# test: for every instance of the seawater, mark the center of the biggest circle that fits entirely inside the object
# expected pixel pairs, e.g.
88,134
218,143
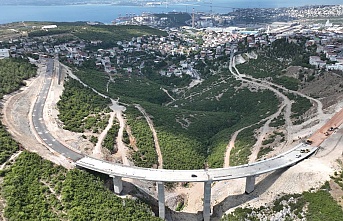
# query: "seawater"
107,13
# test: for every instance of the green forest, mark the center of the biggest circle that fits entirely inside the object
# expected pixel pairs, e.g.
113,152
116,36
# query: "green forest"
82,109
110,139
36,189
192,131
12,73
146,155
7,145
109,35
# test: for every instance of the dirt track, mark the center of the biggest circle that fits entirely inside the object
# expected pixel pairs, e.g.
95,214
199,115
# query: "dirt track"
322,134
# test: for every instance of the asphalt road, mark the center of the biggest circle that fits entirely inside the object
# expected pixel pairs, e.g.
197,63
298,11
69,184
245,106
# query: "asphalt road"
38,122
287,159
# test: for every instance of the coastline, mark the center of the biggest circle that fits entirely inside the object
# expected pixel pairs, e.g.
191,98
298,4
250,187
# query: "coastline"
106,13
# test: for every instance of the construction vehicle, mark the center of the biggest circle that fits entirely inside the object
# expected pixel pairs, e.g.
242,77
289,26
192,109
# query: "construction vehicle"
304,150
309,141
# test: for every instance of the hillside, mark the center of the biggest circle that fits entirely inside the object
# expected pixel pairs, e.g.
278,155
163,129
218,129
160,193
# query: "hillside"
226,111
36,189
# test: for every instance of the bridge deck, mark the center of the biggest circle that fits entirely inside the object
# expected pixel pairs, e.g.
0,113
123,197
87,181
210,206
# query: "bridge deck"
286,159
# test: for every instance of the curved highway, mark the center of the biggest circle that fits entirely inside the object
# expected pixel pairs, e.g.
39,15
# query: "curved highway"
286,159
289,158
38,122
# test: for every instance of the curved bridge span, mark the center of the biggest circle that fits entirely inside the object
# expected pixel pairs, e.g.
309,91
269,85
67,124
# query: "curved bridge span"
286,159
250,171
118,171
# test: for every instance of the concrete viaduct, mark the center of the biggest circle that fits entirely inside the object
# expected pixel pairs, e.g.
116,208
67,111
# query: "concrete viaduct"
119,171
249,171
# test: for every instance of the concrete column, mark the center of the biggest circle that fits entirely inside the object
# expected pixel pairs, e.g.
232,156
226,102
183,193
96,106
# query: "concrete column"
250,184
161,200
207,201
117,184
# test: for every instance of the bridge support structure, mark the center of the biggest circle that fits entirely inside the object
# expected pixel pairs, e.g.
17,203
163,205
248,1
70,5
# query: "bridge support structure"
250,184
117,184
207,201
161,200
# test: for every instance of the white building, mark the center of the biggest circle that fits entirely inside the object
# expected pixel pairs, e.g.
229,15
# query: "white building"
316,61
49,27
4,53
336,66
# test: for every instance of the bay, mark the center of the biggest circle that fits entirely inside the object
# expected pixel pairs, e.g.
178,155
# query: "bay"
107,13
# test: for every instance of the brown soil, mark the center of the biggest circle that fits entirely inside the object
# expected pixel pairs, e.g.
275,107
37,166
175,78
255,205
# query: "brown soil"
326,87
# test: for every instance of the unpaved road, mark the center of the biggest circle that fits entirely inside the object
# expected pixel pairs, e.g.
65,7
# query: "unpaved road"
154,134
97,151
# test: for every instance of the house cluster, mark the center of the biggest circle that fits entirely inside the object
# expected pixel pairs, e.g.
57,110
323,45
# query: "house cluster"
186,44
315,11
331,56
19,47
185,67
131,56
44,46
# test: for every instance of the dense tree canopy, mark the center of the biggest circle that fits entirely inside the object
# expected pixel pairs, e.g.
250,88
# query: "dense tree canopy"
12,73
36,189
7,145
81,108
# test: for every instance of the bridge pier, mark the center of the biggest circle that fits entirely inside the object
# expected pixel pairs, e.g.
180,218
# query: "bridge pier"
161,200
250,184
117,184
207,201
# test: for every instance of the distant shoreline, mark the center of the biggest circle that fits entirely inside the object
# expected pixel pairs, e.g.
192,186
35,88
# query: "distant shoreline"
143,4
76,4
106,13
